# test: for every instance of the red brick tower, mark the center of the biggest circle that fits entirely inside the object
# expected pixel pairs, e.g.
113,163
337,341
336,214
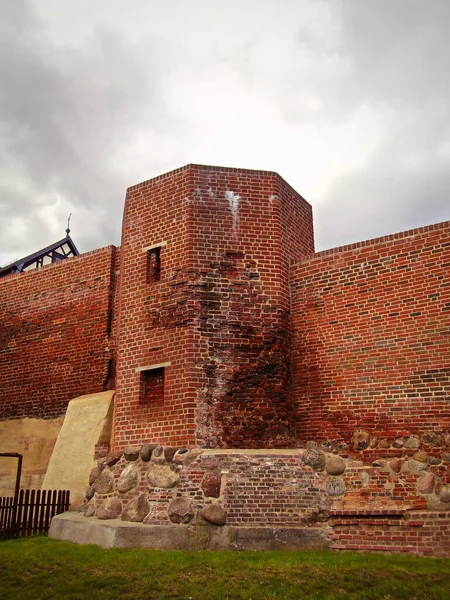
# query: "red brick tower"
204,309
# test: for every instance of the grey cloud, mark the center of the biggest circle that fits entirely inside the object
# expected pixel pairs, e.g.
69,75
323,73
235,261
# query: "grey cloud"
65,113
82,118
405,184
400,54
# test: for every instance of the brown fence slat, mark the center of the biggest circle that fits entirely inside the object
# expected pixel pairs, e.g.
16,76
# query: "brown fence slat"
37,508
22,522
9,519
18,517
31,507
42,511
31,512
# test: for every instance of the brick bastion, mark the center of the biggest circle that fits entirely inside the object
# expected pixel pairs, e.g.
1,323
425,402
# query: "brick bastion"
265,395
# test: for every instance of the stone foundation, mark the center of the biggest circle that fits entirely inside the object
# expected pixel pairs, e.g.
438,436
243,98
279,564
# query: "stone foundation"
72,527
299,498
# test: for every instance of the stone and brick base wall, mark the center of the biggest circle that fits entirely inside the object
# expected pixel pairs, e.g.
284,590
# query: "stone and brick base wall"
374,507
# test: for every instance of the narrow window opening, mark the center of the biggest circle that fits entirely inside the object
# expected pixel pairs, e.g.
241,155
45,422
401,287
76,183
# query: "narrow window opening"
152,386
153,265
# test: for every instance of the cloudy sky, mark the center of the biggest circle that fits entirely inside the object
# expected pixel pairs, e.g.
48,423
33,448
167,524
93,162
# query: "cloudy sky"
347,99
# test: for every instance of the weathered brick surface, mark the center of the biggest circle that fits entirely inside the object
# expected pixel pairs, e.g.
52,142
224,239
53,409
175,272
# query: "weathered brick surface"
264,345
416,532
371,326
257,490
219,313
54,332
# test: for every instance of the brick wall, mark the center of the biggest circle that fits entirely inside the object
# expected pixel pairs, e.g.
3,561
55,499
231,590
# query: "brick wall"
425,533
218,317
54,329
371,326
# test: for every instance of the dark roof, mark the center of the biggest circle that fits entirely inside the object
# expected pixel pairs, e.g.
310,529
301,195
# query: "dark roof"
55,252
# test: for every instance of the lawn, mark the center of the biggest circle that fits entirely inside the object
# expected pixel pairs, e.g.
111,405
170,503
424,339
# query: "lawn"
35,568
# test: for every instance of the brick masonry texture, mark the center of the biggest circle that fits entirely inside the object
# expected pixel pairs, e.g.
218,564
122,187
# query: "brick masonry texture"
221,330
421,533
54,326
219,315
371,327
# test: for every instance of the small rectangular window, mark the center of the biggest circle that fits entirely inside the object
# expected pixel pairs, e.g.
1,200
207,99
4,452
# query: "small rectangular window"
153,265
152,386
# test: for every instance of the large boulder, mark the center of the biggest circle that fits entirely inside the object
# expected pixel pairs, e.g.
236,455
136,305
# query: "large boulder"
136,510
314,458
146,451
128,479
104,484
162,476
110,509
335,465
426,483
211,484
180,510
214,513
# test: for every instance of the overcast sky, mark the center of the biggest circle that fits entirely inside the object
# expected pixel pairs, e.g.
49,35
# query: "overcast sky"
347,99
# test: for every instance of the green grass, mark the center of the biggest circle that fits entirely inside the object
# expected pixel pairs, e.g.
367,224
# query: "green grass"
35,568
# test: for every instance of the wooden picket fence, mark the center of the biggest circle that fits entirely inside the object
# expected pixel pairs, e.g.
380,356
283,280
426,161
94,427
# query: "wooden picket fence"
32,512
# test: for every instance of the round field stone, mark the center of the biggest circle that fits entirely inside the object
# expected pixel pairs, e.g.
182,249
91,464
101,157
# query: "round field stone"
128,479
361,440
136,510
335,465
412,443
112,459
131,454
211,485
169,453
335,486
426,484
104,484
314,458
444,494
111,509
214,513
421,456
433,439
162,476
95,472
395,465
146,451
180,510
90,509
